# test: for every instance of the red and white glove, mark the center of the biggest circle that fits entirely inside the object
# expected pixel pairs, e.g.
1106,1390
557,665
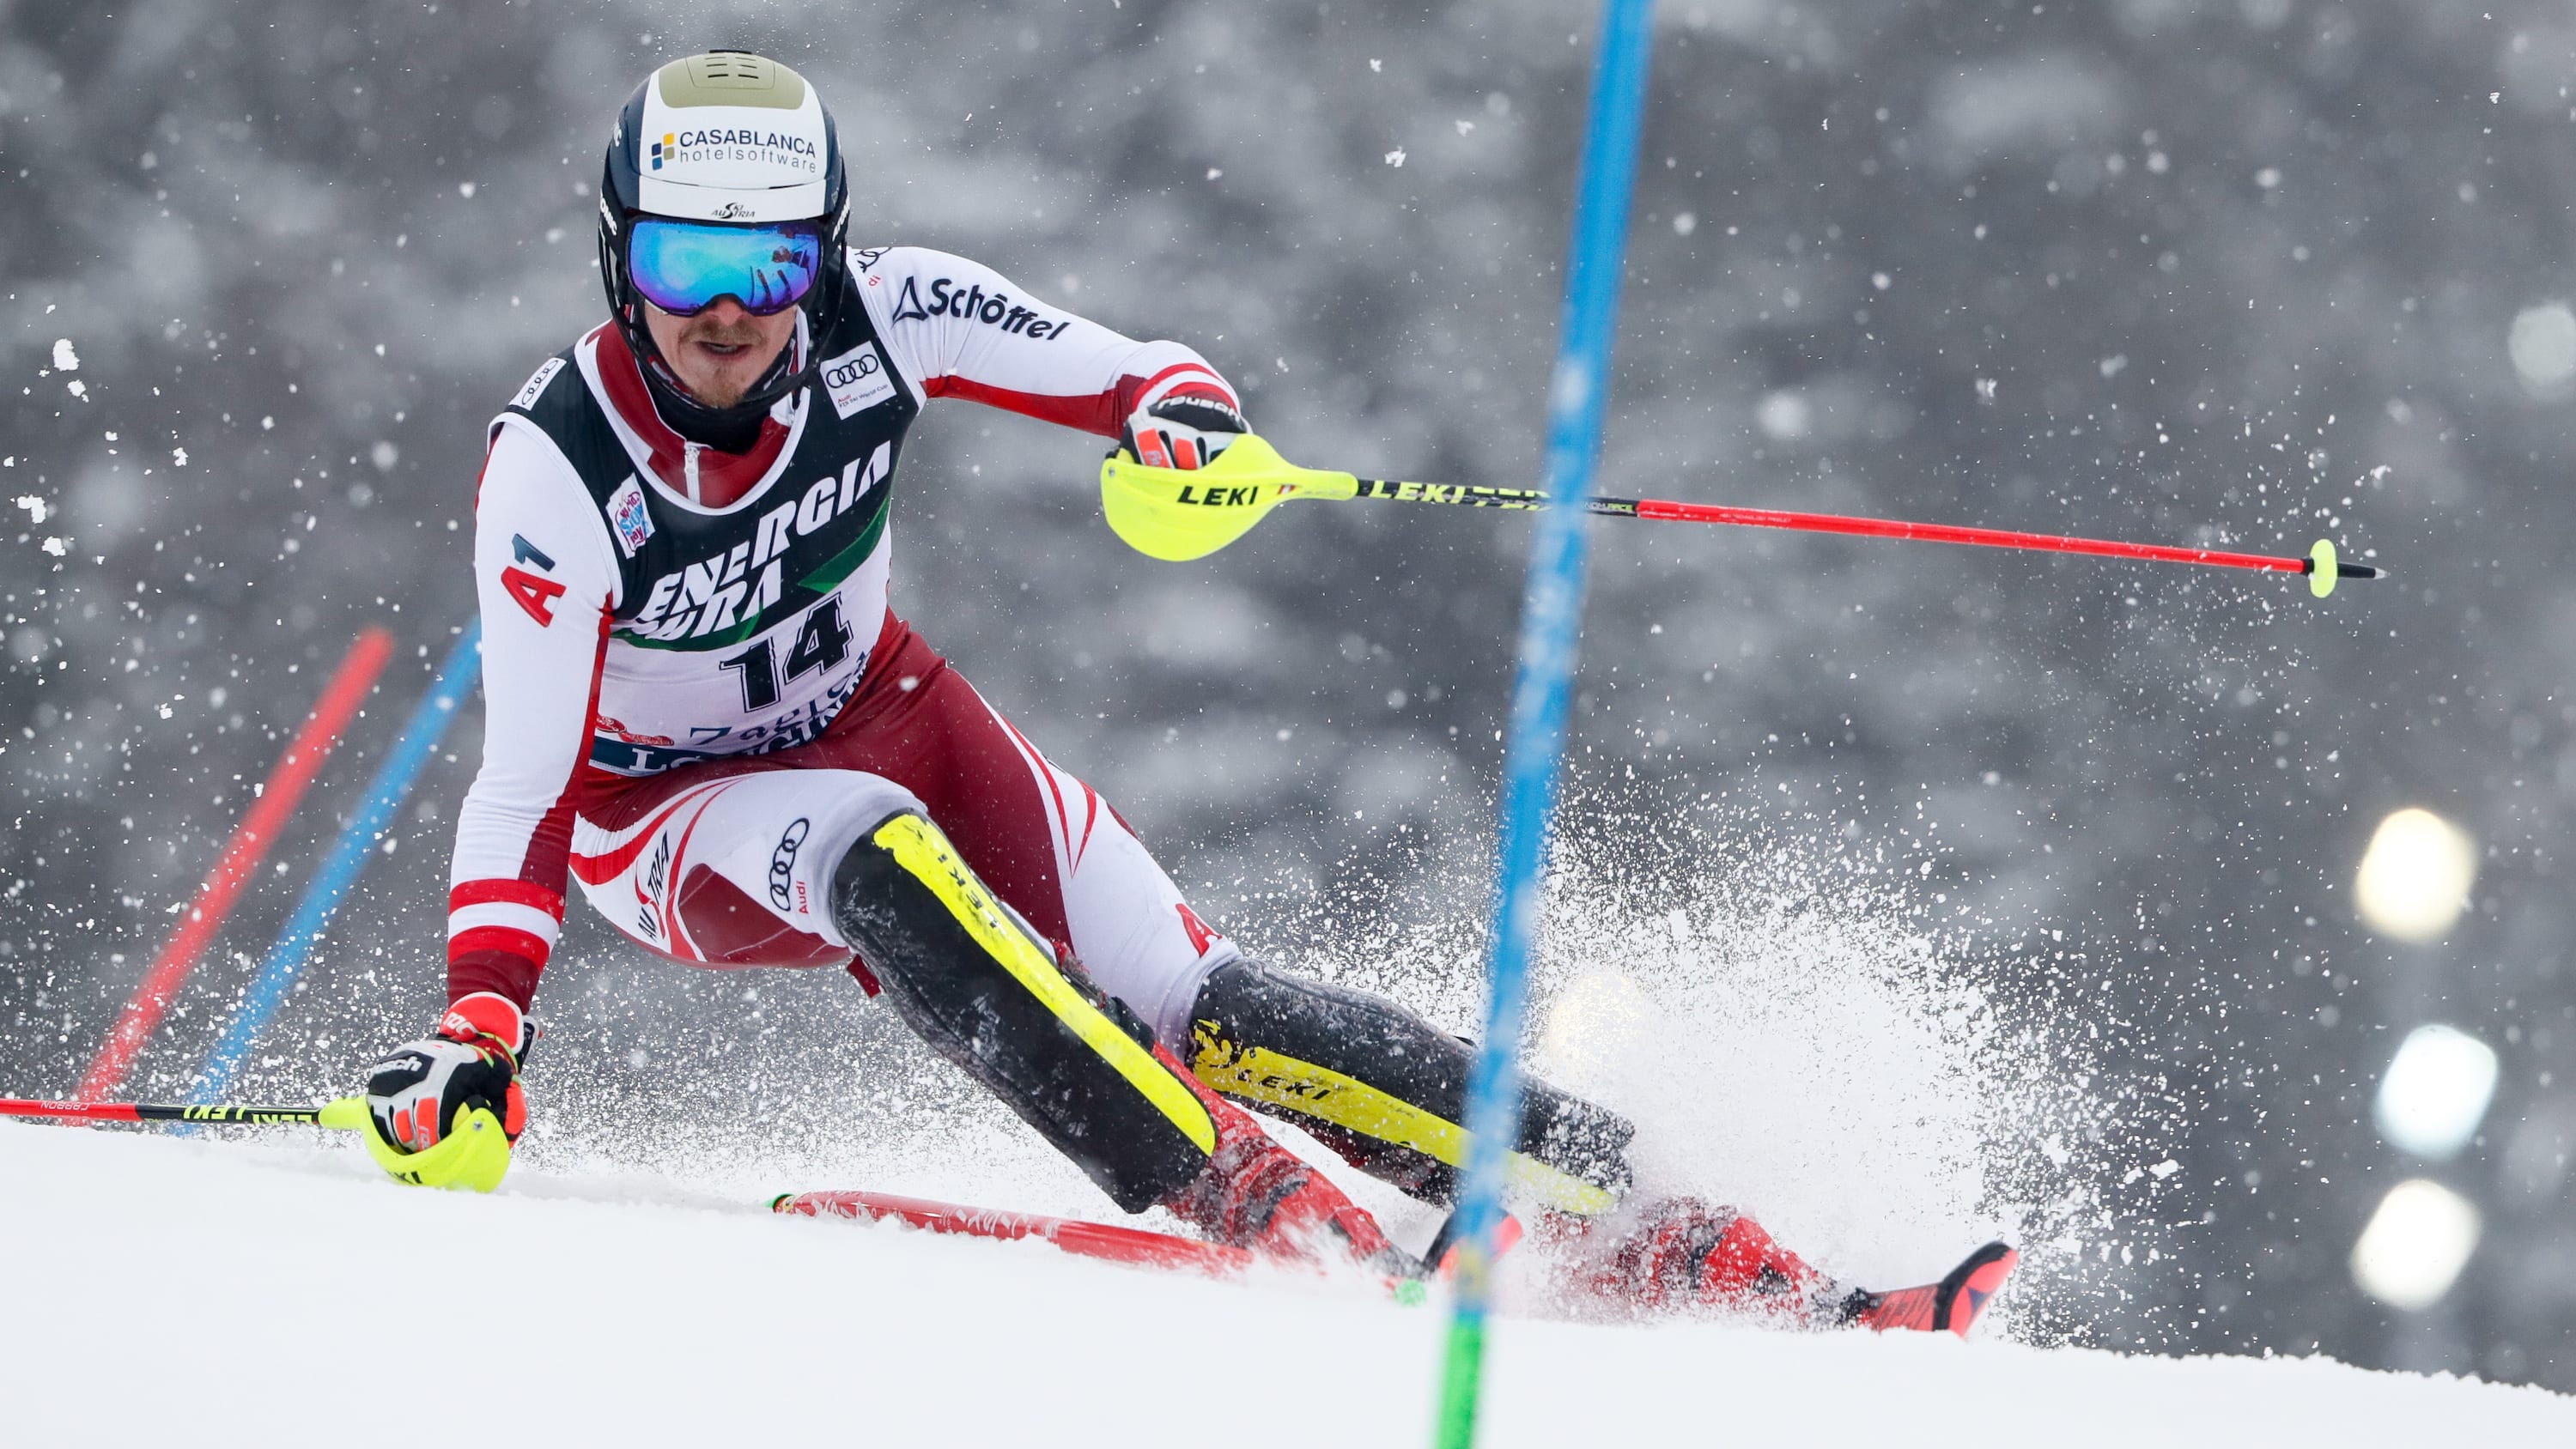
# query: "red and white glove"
1185,428
472,1060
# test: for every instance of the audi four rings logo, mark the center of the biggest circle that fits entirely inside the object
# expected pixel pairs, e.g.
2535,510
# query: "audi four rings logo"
863,365
782,863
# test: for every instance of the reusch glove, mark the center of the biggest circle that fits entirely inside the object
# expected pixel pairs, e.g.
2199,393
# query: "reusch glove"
446,1109
1185,428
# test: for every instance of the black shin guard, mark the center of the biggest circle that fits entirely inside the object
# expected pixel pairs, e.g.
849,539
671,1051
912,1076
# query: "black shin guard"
971,981
1387,1090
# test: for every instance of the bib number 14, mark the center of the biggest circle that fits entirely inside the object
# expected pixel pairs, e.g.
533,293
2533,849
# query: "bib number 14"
821,644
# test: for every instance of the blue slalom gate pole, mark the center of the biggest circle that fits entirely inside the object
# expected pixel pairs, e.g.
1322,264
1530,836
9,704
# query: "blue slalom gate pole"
393,781
1550,615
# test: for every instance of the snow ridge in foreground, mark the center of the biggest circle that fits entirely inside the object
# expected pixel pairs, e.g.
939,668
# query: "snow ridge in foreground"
277,1292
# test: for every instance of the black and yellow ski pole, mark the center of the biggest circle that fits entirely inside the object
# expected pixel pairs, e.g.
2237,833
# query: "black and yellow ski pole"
346,1114
1177,515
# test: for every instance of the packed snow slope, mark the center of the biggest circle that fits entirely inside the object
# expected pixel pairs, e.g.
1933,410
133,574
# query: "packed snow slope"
276,1292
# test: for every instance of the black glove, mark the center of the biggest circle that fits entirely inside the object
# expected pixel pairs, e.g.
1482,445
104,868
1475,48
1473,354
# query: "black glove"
1185,428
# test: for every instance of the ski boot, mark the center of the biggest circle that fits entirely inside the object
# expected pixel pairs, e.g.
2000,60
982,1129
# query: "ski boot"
1954,1303
1685,1253
1258,1195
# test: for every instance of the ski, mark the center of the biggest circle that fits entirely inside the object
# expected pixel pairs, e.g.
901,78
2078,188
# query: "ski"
1071,1235
1104,1241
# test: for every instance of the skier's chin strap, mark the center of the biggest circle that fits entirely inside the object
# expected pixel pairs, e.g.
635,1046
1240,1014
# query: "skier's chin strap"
1387,1090
734,428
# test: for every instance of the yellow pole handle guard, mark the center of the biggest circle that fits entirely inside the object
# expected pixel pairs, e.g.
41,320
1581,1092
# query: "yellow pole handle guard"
473,1157
1178,514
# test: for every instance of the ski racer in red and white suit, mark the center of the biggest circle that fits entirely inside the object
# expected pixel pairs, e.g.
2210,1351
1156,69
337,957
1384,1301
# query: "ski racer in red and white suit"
699,707
667,779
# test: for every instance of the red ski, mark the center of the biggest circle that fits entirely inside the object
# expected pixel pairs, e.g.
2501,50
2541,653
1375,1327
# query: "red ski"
1072,1235
1082,1239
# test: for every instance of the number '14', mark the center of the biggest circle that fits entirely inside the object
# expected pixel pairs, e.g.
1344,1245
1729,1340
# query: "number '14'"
822,644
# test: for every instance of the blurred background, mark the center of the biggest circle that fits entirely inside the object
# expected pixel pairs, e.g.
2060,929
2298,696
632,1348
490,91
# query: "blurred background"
2243,272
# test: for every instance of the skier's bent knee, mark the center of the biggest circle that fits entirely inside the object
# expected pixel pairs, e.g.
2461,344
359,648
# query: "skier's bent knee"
1073,1062
984,991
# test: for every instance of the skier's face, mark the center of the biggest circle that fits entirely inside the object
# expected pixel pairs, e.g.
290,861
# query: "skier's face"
723,350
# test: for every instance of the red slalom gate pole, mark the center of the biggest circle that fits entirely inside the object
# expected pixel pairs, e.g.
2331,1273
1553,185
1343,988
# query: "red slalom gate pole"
259,828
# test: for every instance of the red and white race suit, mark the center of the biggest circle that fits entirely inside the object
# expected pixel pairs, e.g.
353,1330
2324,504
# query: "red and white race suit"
696,695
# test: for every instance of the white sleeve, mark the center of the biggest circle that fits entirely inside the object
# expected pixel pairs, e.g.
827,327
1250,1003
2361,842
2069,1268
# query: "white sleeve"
957,328
546,577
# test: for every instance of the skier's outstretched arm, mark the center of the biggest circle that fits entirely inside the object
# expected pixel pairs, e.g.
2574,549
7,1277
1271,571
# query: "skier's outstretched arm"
957,328
447,1105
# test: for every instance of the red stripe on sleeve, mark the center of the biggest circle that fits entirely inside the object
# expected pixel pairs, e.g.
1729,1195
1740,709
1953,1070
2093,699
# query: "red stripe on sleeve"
1104,413
506,892
1096,413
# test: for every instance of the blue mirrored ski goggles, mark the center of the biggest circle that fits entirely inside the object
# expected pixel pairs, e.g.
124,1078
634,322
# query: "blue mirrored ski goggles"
682,267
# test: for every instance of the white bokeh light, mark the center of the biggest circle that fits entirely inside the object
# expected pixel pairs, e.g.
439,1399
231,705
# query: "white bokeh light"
1594,1020
2436,1091
1784,417
2416,1244
2415,877
2542,344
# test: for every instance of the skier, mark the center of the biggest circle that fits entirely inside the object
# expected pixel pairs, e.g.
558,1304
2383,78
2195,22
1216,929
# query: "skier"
698,703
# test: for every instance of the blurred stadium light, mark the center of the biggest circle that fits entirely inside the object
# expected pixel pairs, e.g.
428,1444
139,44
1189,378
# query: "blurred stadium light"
2436,1092
2415,1245
2415,877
